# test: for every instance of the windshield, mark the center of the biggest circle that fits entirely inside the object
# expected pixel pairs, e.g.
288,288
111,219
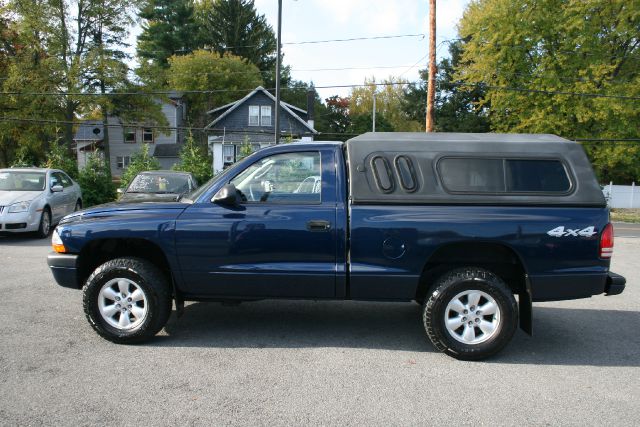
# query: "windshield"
159,184
22,181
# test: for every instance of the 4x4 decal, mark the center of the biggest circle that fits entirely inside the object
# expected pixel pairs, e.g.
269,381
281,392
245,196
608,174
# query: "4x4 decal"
561,231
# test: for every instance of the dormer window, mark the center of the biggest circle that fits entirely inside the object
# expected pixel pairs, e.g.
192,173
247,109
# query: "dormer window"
254,115
265,115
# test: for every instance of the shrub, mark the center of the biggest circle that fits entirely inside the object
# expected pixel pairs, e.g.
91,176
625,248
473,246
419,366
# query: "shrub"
58,158
95,181
194,159
140,162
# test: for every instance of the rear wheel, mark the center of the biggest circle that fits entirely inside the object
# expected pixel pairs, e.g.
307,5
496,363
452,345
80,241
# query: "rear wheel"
45,224
470,314
127,300
78,206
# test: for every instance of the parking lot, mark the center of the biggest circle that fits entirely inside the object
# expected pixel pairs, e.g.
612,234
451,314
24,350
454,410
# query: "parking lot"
299,363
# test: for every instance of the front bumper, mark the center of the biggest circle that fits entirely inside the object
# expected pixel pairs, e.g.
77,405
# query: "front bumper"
64,269
615,284
20,222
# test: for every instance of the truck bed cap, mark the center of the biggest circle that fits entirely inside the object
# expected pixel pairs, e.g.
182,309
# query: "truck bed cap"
390,156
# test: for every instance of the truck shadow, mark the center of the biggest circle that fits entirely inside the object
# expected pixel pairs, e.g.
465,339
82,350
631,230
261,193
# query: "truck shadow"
561,336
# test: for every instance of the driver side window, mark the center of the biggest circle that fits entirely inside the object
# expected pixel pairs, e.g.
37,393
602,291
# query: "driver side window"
282,178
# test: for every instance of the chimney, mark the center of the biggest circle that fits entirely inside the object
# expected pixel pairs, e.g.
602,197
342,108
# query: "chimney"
311,98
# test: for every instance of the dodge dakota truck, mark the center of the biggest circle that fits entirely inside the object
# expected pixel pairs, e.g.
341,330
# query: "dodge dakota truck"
475,227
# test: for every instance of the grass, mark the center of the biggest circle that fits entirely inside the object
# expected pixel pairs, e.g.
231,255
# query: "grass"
625,215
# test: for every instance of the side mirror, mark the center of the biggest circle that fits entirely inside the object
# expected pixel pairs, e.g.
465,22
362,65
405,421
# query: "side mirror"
57,188
227,195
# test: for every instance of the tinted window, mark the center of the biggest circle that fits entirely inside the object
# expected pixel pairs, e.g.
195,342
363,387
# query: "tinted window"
407,173
66,181
382,173
472,175
537,176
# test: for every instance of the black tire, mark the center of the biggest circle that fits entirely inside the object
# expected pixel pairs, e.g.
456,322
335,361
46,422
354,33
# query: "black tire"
45,224
149,279
78,206
445,290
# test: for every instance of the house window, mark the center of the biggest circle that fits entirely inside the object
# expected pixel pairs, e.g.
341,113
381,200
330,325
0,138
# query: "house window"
130,135
122,161
147,135
254,115
228,153
265,115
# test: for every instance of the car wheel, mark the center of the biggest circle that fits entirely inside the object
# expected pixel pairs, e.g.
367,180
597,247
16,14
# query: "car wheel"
78,206
45,224
127,300
470,314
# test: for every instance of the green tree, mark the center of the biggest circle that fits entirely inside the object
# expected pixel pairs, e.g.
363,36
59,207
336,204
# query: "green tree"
457,108
234,26
389,98
95,182
168,29
532,55
140,162
202,70
58,158
337,117
194,159
363,123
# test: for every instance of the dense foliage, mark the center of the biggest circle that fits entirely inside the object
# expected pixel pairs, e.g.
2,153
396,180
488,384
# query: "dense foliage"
194,159
95,182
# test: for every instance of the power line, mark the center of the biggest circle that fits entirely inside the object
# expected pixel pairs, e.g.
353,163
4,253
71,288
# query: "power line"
397,36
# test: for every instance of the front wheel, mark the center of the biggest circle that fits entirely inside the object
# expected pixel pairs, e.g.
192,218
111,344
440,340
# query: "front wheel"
470,314
127,300
45,224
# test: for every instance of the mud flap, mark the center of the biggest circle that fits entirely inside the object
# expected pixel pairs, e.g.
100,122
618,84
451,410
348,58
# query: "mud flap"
525,306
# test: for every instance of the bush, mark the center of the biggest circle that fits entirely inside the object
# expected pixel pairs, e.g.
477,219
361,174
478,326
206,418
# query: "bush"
58,158
140,162
95,181
23,158
194,159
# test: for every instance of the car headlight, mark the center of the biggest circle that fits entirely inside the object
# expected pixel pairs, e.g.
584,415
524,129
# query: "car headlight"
56,242
19,207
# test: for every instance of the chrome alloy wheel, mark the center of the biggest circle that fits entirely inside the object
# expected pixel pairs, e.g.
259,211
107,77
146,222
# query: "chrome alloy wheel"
122,303
472,317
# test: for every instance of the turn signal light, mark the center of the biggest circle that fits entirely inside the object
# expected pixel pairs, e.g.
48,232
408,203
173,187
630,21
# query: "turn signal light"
56,243
606,242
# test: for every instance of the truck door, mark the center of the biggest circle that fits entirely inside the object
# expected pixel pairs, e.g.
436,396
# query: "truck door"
279,242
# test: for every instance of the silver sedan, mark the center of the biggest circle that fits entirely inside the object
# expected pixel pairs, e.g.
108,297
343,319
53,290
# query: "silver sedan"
33,199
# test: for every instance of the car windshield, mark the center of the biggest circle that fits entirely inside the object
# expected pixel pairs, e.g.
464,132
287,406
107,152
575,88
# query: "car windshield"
21,181
159,184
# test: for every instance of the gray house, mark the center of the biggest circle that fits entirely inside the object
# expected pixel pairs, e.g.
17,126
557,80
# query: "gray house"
251,120
124,141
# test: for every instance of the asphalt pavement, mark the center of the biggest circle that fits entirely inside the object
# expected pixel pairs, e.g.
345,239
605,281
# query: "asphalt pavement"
302,363
626,229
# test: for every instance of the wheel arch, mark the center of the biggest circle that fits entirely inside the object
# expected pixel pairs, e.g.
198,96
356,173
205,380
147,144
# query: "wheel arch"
99,251
497,257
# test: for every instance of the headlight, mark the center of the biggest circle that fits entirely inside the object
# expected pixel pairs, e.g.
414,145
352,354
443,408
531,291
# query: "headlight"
19,207
56,242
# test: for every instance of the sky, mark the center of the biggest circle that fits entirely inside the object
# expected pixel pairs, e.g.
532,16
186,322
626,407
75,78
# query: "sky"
307,20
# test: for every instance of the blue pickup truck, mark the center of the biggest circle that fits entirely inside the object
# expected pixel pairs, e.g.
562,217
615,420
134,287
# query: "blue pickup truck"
475,227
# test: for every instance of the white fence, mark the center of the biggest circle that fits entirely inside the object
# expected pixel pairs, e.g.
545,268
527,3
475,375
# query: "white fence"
622,196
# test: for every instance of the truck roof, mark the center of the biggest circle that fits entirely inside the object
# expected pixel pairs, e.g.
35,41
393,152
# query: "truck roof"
468,168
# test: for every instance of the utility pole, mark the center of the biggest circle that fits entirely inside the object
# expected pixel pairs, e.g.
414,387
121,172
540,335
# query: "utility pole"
278,60
431,86
374,112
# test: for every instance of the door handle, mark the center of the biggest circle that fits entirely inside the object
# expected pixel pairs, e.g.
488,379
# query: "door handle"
318,225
